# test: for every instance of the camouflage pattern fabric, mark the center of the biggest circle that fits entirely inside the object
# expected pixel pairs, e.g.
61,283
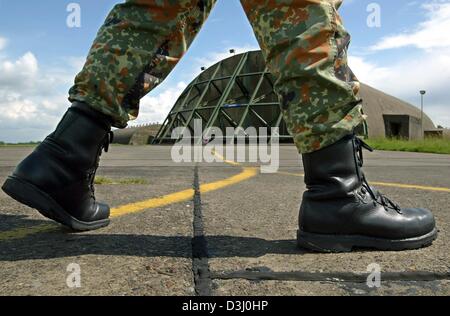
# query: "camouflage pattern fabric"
304,43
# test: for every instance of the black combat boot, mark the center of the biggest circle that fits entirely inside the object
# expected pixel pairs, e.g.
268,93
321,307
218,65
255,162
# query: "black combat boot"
57,179
341,211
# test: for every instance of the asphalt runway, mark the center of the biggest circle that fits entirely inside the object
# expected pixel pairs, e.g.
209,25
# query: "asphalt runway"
216,229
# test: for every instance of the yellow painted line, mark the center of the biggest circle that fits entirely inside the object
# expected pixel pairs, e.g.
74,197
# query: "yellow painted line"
246,174
165,200
229,162
153,203
182,196
23,232
388,184
291,174
384,184
411,186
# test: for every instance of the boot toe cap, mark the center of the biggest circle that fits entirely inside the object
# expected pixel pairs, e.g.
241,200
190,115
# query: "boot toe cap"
102,213
419,221
94,213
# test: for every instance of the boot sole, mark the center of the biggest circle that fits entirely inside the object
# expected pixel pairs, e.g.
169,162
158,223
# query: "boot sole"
30,195
346,243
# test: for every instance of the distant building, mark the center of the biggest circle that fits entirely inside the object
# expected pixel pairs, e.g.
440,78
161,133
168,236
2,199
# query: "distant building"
392,117
138,135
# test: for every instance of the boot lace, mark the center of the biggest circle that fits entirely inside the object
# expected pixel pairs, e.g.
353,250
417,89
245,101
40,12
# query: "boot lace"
104,146
378,198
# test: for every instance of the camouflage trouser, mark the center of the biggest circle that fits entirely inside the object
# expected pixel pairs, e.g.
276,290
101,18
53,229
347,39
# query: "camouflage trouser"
303,41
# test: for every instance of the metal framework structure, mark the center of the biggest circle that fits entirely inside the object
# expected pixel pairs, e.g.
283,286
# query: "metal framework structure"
236,92
239,92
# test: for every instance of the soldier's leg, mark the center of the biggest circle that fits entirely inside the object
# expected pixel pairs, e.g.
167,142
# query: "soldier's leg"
305,45
136,48
140,42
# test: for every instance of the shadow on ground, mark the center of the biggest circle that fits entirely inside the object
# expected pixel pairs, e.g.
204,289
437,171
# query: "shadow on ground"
61,243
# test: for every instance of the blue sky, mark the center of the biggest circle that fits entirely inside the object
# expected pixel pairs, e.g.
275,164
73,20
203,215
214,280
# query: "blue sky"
39,56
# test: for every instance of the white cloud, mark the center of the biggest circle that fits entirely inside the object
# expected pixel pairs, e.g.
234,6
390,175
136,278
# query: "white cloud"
25,119
3,43
430,34
76,63
32,100
429,71
156,106
19,73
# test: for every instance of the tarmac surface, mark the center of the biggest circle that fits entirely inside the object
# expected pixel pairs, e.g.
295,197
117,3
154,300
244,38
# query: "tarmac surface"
216,229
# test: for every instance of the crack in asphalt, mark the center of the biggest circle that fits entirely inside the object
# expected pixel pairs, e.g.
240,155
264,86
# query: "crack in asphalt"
200,256
203,276
339,277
